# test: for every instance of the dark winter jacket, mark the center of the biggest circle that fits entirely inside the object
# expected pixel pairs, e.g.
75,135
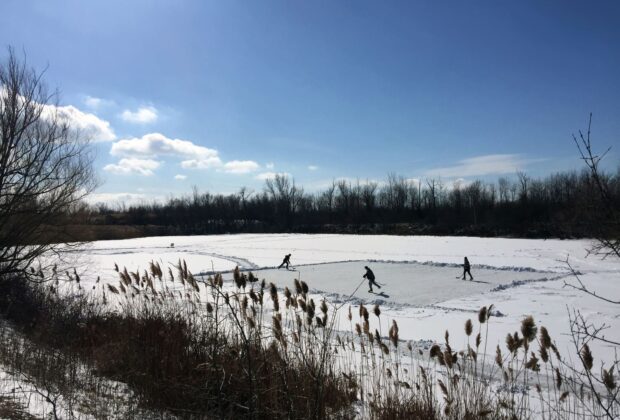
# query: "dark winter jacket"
369,274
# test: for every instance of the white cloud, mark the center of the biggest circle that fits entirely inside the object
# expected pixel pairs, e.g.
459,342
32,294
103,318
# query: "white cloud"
180,177
482,165
155,144
192,156
96,103
270,166
270,175
313,167
84,125
207,162
241,166
144,115
128,166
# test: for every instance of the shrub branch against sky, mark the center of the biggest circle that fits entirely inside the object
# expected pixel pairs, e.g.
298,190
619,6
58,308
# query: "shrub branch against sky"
228,94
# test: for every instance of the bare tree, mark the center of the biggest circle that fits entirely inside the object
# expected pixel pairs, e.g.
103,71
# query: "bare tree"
605,215
45,167
285,195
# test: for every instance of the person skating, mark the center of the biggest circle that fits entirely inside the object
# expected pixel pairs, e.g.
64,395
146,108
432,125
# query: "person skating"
286,261
466,269
371,279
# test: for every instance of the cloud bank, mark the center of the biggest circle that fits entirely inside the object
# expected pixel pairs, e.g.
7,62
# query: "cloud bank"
193,156
482,165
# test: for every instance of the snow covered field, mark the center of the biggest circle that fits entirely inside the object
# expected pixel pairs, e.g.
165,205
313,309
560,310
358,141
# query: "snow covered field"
421,289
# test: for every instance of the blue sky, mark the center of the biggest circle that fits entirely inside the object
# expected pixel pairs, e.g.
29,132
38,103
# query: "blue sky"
223,94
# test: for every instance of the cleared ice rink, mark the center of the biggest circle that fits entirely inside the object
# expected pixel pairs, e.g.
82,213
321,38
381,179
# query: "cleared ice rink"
402,283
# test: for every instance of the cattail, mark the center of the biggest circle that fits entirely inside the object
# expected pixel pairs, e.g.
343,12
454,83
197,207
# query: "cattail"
472,353
544,355
409,346
122,287
377,311
350,315
273,291
287,292
384,348
545,339
253,296
482,315
435,350
298,289
365,313
556,352
532,364
608,379
358,329
366,327
389,372
324,307
563,396
302,304
113,289
586,357
115,267
237,277
393,333
498,357
209,308
377,336
447,357
528,328
478,340
468,327
304,287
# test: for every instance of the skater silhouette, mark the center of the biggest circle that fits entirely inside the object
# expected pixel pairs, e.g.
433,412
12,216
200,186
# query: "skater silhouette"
466,268
371,279
286,261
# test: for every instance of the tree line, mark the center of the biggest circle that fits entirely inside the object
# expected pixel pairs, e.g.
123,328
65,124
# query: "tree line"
559,205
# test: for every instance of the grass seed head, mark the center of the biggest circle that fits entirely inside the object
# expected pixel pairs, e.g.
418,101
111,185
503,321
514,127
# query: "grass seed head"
528,328
468,327
482,315
609,379
586,357
545,339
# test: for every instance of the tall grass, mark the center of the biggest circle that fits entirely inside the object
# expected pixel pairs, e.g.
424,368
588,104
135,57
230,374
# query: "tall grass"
201,348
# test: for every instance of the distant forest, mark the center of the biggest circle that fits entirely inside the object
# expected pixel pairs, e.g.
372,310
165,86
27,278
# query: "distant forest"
563,205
